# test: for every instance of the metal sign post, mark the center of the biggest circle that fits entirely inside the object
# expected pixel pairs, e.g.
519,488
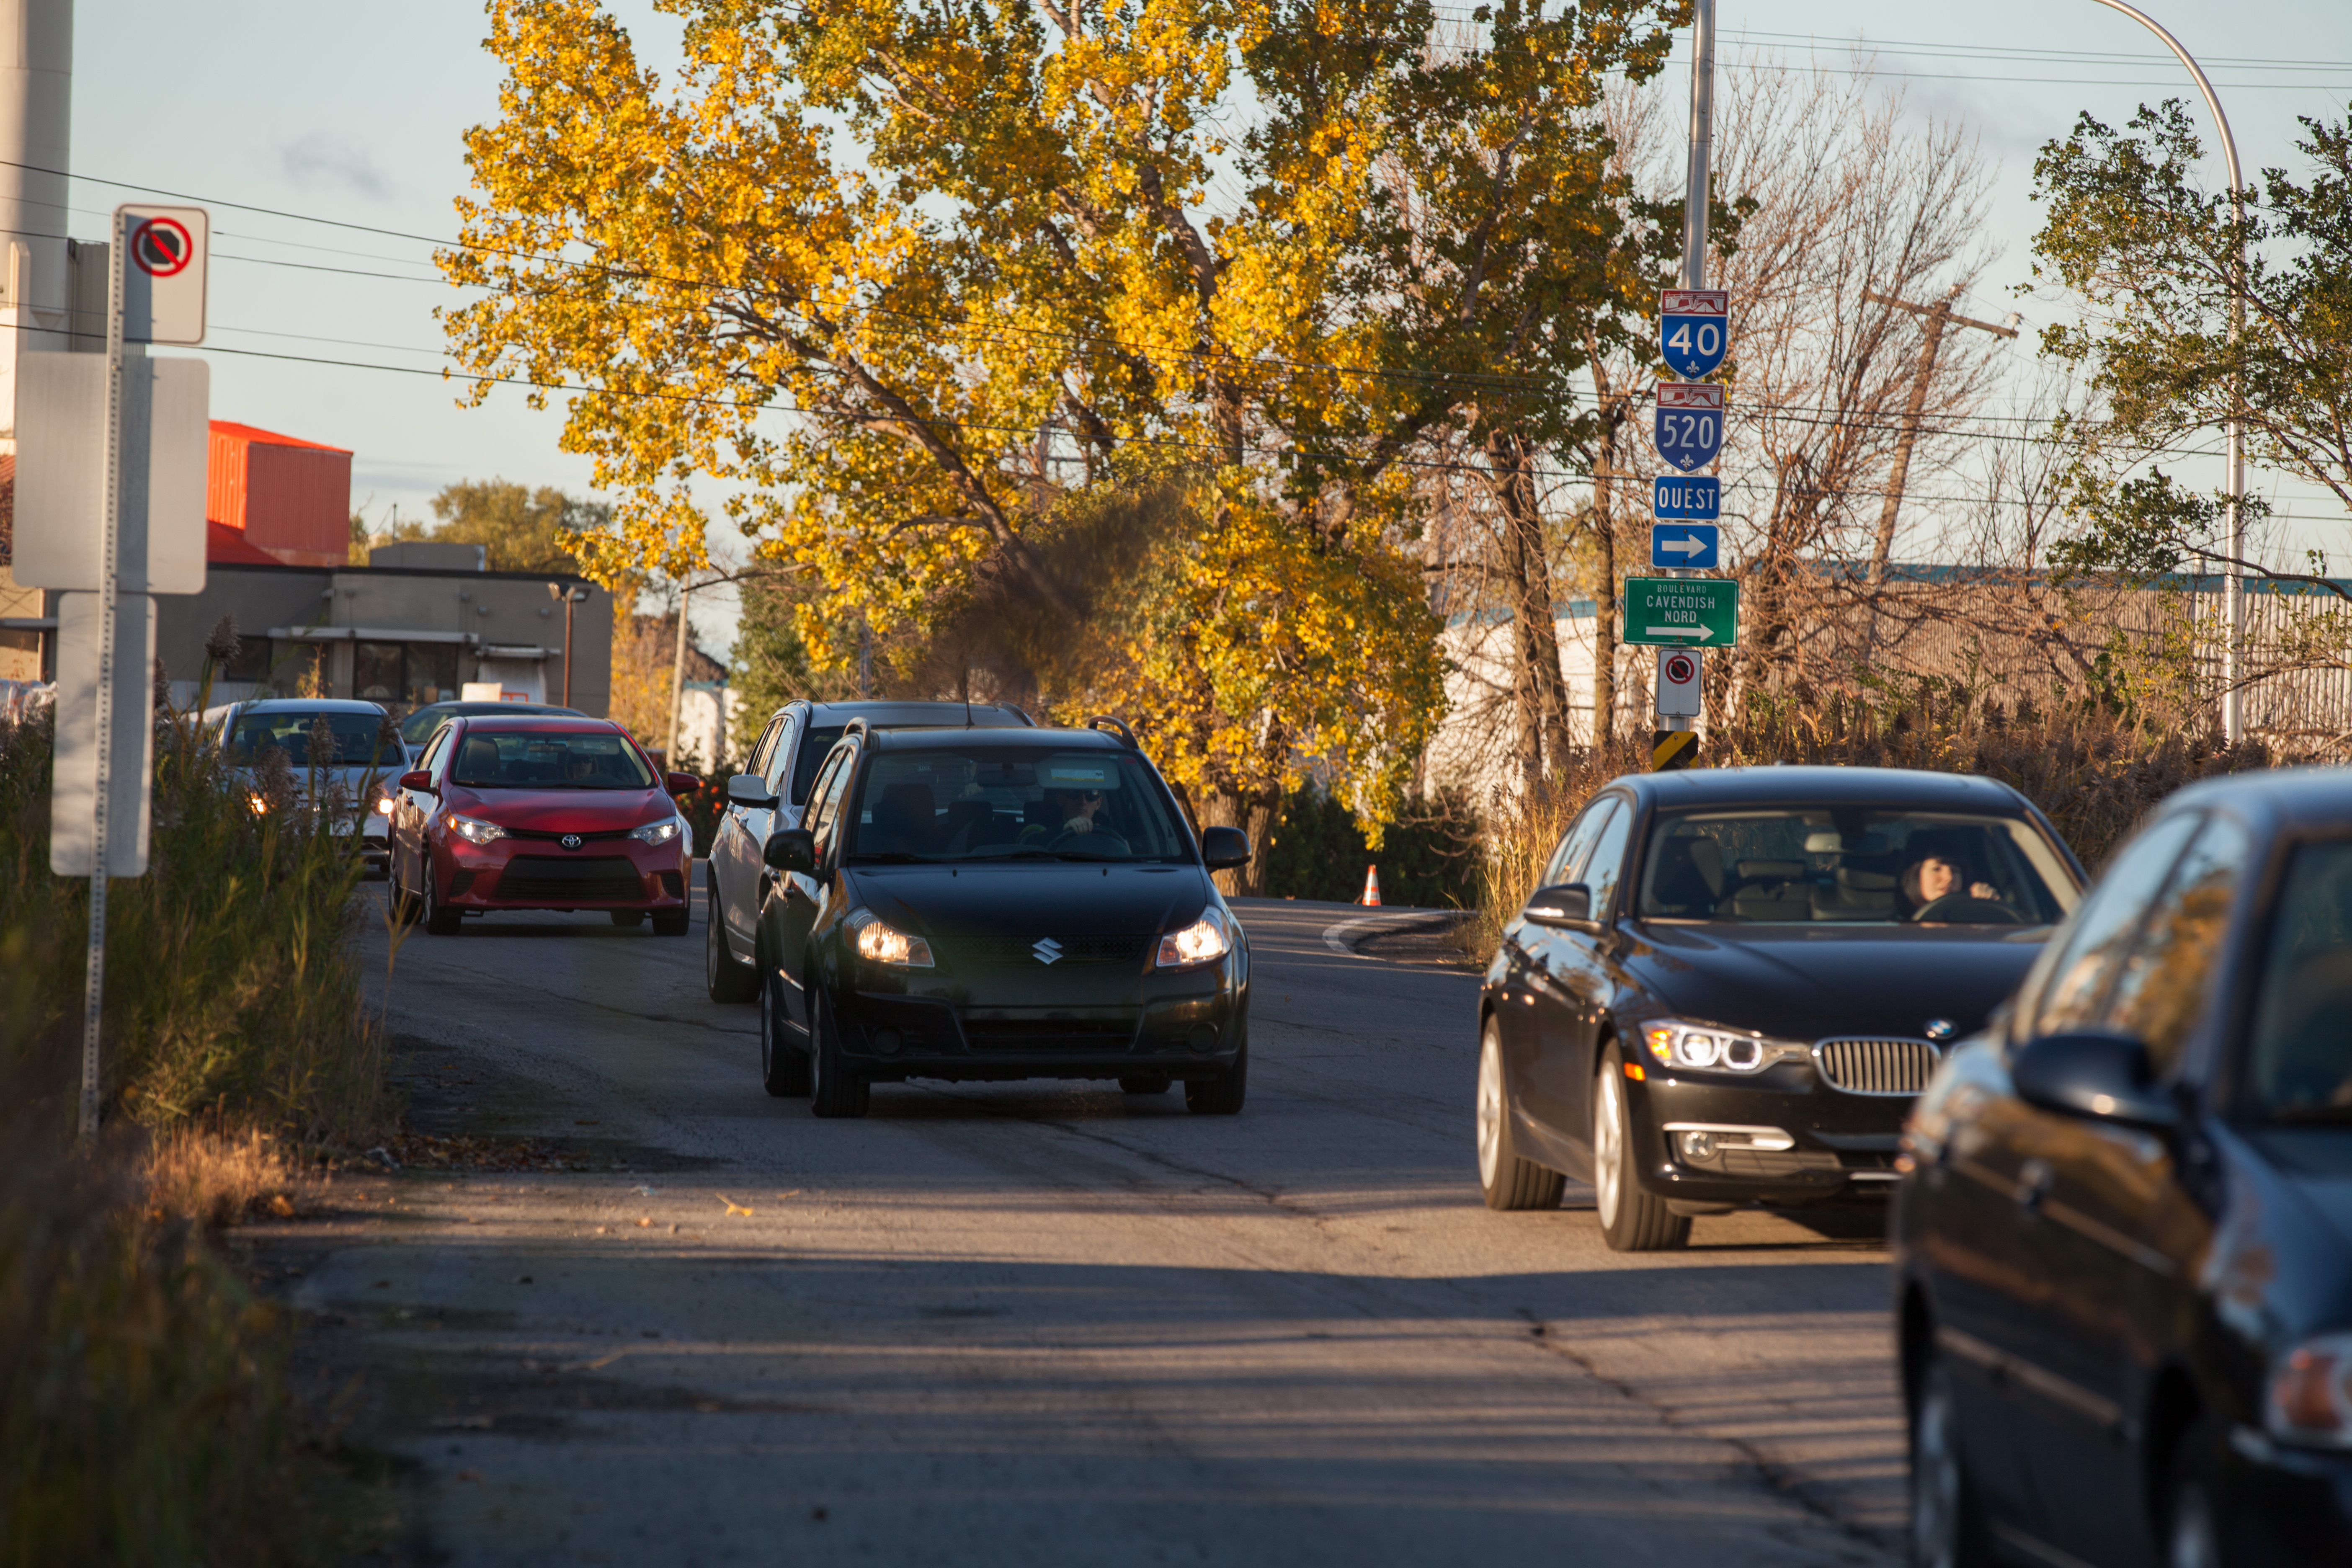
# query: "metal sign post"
109,595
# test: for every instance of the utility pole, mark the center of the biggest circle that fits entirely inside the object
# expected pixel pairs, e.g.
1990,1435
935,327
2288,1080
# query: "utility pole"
2233,590
677,677
1935,317
571,598
36,126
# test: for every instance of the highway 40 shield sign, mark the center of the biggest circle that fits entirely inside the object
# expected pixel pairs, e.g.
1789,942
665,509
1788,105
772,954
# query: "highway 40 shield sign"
1693,329
1690,429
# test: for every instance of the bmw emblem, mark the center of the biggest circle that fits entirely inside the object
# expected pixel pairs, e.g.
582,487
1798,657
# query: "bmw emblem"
1941,1029
569,841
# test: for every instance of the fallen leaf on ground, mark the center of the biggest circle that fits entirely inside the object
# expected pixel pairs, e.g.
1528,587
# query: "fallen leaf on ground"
644,1221
732,1206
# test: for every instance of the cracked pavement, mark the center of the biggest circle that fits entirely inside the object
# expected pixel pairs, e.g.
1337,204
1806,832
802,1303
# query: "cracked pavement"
1049,1323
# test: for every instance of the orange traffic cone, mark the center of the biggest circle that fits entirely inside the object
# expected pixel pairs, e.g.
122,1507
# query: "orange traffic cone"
1372,897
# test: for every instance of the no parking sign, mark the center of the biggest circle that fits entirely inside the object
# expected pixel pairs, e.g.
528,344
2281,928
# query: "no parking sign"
164,285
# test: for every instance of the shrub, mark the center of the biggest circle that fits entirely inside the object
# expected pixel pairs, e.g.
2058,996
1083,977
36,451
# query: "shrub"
1428,856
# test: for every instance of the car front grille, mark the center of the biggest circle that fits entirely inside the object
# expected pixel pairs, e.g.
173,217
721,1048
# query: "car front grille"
1876,1065
969,953
591,879
1018,1032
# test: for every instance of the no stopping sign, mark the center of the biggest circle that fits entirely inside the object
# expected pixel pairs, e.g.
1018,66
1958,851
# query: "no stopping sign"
163,262
1678,683
163,248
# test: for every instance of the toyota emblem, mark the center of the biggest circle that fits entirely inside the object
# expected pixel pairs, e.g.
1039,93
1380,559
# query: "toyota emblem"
569,841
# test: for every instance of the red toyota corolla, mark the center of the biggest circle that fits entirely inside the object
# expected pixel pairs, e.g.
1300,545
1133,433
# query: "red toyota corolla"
529,813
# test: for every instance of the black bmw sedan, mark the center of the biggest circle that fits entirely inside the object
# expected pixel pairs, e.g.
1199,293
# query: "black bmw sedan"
990,904
1733,982
2123,1247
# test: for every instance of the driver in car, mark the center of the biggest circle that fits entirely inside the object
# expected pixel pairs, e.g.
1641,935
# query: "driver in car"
1934,877
1071,811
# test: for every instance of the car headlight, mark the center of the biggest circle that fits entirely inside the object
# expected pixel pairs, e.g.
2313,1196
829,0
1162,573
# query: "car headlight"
472,829
880,941
384,806
1677,1043
259,802
660,831
2310,1395
1204,941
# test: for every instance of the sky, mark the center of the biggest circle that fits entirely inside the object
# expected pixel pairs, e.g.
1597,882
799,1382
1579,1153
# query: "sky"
354,114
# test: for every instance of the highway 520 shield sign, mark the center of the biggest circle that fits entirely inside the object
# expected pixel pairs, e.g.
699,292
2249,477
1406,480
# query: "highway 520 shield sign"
1690,429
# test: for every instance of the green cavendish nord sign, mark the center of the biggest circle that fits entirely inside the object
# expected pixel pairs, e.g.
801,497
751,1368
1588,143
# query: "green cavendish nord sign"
1682,611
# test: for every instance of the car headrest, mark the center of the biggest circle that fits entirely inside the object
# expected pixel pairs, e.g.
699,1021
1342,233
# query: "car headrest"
1772,870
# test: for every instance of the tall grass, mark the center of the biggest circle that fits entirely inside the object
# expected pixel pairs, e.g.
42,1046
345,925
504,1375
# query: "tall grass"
2094,773
145,1415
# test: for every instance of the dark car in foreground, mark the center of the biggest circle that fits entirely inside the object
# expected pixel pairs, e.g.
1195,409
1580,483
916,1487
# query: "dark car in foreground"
773,791
523,812
1732,981
2124,1238
994,904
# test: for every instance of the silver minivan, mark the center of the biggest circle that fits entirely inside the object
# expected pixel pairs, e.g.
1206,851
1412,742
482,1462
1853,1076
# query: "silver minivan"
772,793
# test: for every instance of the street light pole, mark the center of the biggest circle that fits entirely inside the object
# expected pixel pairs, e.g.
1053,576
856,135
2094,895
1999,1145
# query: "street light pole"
2233,592
570,598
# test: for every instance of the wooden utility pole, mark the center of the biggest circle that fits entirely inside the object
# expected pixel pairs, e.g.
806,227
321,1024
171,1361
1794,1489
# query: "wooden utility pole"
1937,316
678,679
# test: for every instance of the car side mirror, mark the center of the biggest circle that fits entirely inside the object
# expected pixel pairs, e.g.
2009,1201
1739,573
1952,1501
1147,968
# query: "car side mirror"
1222,848
791,849
680,784
417,779
748,789
1568,904
2105,1076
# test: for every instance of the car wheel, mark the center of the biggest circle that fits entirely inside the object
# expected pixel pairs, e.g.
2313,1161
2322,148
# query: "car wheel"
1222,1095
783,1070
438,922
1145,1082
627,919
1630,1219
1946,1531
834,1089
673,922
1508,1181
726,980
2192,1533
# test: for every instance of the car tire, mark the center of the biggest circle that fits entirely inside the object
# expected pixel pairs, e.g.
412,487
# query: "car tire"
673,922
627,919
1508,1180
1222,1095
784,1067
2192,1524
722,976
1948,1530
1145,1083
1630,1219
834,1089
438,920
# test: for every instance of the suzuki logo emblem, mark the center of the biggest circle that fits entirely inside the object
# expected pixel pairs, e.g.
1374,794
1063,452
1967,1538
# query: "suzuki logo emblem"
1048,950
569,841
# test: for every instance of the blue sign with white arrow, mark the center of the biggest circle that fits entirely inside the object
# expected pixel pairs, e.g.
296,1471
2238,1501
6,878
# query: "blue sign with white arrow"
1693,497
1681,546
1689,428
1693,329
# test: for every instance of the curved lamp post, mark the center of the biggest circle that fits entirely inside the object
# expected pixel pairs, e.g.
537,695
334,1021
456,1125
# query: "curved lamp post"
2233,592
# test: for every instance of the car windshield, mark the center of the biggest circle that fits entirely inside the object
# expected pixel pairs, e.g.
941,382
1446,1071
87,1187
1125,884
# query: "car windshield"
349,740
2300,1060
524,759
975,802
1852,865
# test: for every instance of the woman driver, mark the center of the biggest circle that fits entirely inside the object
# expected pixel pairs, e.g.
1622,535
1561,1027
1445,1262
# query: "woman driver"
1934,876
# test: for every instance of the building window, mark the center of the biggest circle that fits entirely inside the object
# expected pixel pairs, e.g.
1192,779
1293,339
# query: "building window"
431,673
376,672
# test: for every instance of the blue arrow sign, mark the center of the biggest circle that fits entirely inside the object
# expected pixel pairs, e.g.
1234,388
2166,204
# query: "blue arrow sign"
1689,426
1695,497
1685,545
1693,329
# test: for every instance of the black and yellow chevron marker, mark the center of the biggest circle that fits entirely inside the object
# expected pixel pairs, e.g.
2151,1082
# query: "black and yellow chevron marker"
1672,749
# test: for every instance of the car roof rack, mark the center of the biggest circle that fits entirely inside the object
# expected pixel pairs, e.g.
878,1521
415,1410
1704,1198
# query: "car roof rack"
1105,722
857,726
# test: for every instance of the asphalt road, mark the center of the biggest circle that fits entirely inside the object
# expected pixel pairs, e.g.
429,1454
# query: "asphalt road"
1045,1323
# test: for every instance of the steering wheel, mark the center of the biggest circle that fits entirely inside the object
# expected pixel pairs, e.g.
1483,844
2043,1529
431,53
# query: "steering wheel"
1111,843
1962,909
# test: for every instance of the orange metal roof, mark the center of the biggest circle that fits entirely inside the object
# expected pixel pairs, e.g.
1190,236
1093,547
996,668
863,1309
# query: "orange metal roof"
269,437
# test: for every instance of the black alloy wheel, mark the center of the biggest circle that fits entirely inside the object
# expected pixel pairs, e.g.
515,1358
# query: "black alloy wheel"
673,922
438,922
1222,1095
725,979
1145,1082
834,1089
1630,1219
1508,1181
1947,1531
628,919
783,1070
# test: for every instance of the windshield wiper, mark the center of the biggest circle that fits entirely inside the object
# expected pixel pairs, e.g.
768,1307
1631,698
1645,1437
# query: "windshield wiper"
2312,1115
892,857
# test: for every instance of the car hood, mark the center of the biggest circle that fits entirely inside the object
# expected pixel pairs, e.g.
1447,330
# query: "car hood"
1802,982
1055,899
562,810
